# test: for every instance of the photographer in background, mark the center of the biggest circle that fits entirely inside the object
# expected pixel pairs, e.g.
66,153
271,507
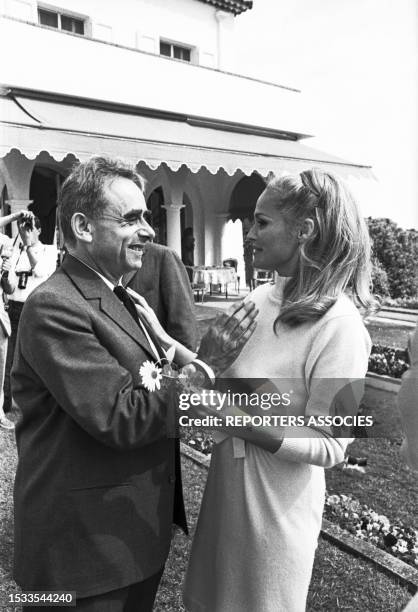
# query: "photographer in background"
6,249
30,265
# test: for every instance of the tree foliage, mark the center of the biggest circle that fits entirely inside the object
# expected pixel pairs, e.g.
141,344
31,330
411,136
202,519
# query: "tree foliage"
396,250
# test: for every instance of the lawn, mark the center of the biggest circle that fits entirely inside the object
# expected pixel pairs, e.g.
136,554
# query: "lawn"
340,581
388,486
389,334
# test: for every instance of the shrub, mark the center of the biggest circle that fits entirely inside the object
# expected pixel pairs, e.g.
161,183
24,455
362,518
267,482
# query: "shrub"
397,251
380,281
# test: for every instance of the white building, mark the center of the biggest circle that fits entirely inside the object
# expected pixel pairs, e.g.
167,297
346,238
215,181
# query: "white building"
151,81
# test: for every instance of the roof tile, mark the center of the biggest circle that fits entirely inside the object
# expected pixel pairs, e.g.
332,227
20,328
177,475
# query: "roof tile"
233,6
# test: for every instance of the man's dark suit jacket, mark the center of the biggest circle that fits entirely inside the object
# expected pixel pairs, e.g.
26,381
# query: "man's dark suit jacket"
164,283
96,477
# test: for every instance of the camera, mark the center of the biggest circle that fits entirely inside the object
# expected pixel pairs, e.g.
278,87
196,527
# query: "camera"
28,225
23,279
26,221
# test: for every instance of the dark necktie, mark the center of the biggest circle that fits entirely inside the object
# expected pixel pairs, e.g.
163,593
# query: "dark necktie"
129,304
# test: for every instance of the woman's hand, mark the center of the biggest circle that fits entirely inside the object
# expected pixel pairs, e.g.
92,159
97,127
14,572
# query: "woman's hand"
226,338
149,315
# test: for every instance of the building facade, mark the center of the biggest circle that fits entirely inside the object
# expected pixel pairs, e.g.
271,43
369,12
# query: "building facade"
151,81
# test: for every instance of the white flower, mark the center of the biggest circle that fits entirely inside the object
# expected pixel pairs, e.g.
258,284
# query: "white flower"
333,499
150,376
384,522
402,546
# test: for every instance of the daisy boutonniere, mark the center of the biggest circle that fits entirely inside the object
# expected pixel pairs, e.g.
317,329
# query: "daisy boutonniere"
151,375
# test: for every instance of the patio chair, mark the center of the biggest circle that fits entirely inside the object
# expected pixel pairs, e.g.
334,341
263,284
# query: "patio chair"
198,288
233,263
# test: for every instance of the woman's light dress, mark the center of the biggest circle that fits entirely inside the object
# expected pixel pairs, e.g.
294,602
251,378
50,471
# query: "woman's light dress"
261,513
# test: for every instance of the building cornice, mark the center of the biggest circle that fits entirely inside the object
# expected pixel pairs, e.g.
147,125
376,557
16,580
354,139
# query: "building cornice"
16,93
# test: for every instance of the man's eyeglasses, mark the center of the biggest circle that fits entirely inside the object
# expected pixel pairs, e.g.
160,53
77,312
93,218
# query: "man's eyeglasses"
131,219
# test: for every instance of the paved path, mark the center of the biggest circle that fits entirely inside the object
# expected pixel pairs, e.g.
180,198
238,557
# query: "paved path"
402,316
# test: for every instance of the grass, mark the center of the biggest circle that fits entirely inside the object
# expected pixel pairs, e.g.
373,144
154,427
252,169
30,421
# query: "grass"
7,471
340,581
389,334
389,487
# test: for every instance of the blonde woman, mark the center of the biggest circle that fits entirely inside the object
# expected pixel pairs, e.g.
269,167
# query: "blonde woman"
261,512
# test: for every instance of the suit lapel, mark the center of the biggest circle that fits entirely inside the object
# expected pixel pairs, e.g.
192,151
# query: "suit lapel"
100,296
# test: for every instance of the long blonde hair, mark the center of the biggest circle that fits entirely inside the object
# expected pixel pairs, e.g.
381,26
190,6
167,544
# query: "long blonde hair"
335,258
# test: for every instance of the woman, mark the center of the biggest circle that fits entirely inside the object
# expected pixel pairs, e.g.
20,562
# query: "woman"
262,508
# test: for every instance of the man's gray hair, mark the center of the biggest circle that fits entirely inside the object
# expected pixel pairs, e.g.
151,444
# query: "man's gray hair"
84,189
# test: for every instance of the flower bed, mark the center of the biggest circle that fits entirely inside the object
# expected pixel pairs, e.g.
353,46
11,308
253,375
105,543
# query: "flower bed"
388,361
197,438
361,521
348,513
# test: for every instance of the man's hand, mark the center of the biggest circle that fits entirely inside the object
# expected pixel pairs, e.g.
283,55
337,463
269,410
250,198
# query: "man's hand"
226,338
26,227
6,264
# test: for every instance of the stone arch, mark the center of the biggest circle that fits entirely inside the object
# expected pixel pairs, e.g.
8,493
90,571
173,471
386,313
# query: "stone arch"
45,183
186,213
16,170
193,192
244,196
5,208
155,204
155,179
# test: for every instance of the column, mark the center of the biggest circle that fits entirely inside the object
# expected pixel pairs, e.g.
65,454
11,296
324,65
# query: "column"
173,226
17,206
222,19
220,221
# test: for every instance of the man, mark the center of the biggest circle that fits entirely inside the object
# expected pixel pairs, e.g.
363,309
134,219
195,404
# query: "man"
163,282
30,265
98,478
408,406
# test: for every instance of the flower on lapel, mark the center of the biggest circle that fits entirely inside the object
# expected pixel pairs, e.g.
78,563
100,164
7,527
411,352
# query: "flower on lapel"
150,376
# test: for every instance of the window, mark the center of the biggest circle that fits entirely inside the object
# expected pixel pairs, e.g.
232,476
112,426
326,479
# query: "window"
175,51
54,19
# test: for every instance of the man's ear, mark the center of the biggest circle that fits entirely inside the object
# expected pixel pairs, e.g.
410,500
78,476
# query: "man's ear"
306,229
82,228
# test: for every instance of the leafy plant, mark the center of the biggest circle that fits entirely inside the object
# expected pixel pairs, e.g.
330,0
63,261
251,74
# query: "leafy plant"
380,281
396,250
